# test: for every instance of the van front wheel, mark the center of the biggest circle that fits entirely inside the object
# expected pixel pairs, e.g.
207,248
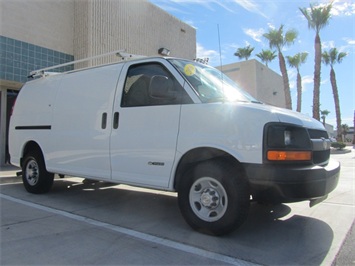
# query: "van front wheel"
35,177
214,197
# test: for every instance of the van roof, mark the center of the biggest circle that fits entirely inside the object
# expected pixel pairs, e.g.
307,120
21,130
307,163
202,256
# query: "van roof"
119,53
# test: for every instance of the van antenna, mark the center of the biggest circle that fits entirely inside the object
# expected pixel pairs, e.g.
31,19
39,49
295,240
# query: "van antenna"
220,57
219,44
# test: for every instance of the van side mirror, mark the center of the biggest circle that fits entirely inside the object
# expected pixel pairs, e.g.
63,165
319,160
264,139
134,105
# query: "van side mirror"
161,87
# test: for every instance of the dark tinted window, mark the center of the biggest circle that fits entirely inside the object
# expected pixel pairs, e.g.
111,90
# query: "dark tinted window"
152,84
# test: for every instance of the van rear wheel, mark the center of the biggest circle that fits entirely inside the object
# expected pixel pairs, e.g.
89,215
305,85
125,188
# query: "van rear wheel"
35,177
214,197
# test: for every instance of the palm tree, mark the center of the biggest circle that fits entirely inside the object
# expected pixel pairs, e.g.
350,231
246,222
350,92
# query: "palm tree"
324,114
266,56
330,58
318,18
277,39
295,61
244,53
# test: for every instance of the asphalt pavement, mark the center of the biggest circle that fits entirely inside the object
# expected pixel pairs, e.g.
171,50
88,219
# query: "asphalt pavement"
97,223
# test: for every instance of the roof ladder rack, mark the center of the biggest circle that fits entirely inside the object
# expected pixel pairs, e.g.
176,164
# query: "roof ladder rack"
44,71
126,56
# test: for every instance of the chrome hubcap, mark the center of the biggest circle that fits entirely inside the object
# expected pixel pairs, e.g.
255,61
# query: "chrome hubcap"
208,199
32,172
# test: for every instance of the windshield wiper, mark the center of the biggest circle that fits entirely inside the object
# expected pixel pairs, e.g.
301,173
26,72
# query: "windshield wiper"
216,99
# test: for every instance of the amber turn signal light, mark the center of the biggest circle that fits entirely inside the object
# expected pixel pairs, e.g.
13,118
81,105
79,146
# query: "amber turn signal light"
289,155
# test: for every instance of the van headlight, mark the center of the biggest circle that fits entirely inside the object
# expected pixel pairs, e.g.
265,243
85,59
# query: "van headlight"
285,142
287,139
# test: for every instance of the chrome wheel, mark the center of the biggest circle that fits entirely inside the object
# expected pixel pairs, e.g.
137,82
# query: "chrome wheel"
32,172
208,199
35,176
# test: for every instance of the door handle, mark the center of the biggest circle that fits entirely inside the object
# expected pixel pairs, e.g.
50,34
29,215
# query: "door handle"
116,117
104,120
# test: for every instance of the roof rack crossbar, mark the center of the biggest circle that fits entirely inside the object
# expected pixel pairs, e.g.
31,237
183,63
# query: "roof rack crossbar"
41,72
128,56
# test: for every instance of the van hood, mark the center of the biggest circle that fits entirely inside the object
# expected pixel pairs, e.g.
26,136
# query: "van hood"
289,116
292,117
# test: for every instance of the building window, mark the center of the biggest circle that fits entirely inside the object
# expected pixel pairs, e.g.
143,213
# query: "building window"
18,59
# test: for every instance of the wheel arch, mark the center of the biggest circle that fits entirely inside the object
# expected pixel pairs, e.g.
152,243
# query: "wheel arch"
197,155
30,146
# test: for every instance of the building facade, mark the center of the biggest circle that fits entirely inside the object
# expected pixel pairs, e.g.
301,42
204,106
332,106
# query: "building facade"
258,80
35,34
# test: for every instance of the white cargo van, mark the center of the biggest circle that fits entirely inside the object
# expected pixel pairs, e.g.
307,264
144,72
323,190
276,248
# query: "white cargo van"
175,125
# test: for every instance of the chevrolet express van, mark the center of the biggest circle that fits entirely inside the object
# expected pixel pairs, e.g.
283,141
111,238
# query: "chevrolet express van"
175,125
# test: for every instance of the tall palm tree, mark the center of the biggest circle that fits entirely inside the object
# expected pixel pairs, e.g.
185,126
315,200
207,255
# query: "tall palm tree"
295,61
244,53
318,18
324,114
332,57
266,56
277,39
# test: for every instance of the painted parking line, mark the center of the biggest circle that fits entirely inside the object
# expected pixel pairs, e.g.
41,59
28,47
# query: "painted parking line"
139,235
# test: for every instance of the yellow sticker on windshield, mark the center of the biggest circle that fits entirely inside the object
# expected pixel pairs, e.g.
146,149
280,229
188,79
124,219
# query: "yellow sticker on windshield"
189,70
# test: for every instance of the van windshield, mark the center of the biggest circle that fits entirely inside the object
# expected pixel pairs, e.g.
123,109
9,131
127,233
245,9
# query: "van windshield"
210,84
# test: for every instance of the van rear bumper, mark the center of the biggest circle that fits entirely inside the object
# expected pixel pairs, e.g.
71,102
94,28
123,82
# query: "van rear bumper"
283,183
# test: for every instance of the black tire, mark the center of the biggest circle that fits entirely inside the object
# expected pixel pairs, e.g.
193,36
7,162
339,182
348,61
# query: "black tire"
35,177
214,197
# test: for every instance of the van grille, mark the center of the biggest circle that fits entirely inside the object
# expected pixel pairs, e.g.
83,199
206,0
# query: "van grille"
319,156
317,134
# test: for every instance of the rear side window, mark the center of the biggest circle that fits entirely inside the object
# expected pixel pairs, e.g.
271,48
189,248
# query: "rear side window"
152,84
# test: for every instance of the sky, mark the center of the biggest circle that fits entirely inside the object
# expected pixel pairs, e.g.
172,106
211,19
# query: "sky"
223,26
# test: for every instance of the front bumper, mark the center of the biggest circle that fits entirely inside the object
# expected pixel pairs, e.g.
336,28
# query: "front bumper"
285,183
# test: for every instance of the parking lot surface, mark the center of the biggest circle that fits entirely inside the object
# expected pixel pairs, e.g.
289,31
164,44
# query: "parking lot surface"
97,223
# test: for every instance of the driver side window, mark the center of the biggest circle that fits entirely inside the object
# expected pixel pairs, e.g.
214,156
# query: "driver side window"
151,84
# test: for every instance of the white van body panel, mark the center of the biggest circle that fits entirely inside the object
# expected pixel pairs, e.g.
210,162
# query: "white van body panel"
235,128
296,118
37,100
81,145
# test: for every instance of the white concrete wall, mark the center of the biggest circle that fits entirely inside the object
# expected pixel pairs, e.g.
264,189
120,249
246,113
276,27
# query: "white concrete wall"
137,26
47,23
90,27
